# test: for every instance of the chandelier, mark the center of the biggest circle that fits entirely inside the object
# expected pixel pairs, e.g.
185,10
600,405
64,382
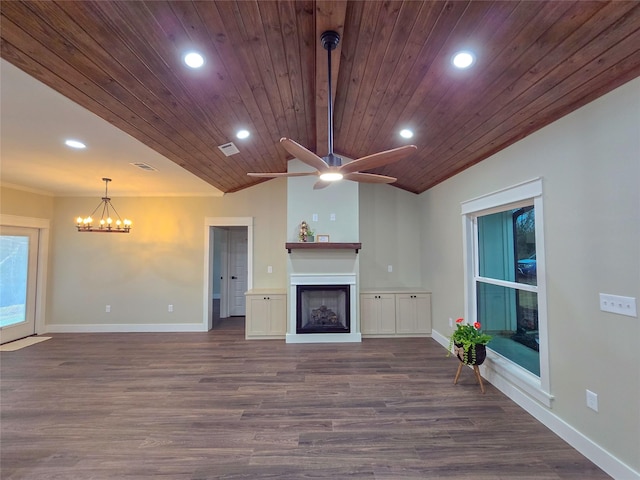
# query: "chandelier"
107,224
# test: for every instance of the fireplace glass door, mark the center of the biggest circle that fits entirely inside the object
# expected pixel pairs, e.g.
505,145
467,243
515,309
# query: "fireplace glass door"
322,309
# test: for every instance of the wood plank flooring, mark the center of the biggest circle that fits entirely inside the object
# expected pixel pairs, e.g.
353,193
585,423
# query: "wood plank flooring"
215,406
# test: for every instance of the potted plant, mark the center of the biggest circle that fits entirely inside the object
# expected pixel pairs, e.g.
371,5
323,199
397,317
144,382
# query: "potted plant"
469,343
305,234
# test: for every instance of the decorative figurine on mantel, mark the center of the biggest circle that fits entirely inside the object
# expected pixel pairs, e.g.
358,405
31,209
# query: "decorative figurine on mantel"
305,234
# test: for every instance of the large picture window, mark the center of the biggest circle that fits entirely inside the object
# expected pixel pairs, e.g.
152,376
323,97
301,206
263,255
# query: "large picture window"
504,275
506,290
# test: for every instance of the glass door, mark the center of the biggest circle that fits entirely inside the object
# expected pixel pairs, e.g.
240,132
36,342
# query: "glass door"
18,268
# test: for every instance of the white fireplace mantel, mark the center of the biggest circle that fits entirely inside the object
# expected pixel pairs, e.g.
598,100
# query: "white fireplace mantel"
323,279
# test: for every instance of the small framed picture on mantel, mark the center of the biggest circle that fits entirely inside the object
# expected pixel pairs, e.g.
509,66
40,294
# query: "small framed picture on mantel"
322,238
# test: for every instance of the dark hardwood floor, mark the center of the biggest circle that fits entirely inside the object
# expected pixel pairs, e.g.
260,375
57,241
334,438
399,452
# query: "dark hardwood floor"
227,323
213,405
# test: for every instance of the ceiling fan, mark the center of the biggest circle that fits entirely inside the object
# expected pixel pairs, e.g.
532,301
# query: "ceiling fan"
330,168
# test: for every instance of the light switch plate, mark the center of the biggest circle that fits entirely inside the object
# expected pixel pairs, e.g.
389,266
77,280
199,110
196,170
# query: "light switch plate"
618,304
592,400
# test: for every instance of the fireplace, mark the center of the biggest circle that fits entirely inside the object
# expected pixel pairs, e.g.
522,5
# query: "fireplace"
322,309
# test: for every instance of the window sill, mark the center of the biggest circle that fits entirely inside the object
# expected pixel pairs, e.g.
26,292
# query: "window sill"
497,365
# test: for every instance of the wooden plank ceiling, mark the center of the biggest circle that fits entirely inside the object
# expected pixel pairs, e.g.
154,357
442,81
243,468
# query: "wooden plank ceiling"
266,71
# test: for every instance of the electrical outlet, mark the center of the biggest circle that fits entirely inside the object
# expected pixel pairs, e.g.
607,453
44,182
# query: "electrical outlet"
389,268
332,217
107,309
618,304
170,308
450,322
314,217
269,269
592,400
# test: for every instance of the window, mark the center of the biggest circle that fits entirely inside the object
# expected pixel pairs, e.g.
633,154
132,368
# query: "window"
508,309
504,276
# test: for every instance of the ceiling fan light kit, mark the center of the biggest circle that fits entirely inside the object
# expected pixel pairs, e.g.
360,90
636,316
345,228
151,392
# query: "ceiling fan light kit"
331,176
330,168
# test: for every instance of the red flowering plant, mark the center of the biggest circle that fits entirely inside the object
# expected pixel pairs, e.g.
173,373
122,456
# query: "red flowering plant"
466,336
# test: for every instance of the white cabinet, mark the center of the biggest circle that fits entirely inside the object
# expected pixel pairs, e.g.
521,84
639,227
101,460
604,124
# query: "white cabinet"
413,313
266,315
395,313
378,313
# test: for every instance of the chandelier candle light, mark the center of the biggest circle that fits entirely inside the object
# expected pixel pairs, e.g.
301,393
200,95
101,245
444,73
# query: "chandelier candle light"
106,223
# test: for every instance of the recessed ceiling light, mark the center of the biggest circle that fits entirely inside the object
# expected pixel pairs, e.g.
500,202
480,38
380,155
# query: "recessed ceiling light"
406,133
74,144
193,60
243,134
463,59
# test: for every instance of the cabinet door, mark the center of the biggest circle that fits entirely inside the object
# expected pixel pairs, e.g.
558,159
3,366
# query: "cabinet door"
257,315
277,314
387,313
413,313
369,316
377,313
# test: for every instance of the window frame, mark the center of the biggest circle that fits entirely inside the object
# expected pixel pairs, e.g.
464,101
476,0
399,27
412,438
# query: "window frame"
520,195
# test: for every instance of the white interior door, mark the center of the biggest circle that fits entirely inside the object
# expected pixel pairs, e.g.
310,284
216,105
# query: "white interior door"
18,274
224,270
237,271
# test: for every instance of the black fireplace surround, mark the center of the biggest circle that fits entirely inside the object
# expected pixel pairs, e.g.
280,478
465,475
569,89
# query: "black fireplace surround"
323,309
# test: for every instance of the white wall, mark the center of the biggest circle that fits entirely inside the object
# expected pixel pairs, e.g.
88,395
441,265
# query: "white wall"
25,204
391,234
160,262
339,199
590,165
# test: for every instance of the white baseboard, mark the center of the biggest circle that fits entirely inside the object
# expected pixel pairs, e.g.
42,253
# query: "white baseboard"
587,447
441,339
126,328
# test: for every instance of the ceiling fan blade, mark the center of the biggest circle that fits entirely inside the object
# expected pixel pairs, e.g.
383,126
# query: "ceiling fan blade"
304,155
368,178
321,184
277,175
378,159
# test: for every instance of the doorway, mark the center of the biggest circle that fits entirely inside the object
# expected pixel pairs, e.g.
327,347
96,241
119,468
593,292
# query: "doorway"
23,257
228,270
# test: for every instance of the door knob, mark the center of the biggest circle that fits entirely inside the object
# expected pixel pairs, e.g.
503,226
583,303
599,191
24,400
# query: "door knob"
233,277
